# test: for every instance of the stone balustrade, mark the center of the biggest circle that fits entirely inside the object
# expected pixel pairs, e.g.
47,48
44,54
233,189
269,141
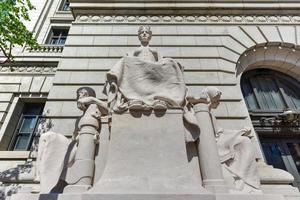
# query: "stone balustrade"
46,49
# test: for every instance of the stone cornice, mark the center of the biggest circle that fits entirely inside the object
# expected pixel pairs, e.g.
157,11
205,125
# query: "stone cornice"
181,7
191,19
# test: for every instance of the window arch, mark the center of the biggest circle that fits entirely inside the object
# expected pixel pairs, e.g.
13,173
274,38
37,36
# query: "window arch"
268,94
268,90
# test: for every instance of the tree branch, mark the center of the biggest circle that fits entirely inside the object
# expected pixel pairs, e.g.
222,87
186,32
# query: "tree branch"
10,49
4,52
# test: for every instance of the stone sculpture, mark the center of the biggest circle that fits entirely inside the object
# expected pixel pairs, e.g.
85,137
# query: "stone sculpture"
141,80
148,156
71,161
79,175
51,153
147,153
197,113
235,149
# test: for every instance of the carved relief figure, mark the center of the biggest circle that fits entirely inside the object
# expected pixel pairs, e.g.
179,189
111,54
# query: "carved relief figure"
236,151
60,154
144,52
197,113
141,80
81,171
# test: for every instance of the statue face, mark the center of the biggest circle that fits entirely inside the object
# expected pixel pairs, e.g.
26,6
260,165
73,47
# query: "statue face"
215,101
145,35
82,93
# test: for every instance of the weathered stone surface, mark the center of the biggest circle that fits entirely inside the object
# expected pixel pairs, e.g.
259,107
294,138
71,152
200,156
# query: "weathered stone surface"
147,155
151,197
107,36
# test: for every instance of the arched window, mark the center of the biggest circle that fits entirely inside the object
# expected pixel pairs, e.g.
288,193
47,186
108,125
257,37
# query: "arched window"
268,90
268,94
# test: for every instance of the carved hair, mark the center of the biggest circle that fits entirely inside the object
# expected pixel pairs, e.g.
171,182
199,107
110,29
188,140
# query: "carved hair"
144,27
212,92
91,92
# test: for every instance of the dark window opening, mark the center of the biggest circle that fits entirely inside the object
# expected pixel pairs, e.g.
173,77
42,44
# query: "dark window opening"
27,126
268,90
65,5
270,96
283,154
58,36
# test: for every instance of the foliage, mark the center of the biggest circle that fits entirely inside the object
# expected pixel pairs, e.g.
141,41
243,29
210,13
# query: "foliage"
12,30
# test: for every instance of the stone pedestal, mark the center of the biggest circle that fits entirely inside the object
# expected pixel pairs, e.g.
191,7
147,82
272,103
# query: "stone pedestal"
147,155
147,160
85,196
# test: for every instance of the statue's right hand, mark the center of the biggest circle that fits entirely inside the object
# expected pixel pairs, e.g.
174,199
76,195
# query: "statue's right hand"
246,131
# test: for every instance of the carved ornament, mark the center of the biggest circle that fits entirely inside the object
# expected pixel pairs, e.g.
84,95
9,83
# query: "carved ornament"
235,19
28,69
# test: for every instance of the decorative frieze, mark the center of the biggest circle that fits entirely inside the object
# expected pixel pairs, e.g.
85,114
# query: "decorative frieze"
189,19
32,69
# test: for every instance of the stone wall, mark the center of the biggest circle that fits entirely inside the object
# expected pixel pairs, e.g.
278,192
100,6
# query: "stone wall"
208,47
215,46
26,81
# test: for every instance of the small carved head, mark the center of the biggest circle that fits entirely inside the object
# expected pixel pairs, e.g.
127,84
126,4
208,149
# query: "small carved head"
214,95
85,92
145,35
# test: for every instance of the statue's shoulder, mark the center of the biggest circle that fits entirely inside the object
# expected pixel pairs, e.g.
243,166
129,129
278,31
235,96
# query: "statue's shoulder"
155,54
153,50
135,52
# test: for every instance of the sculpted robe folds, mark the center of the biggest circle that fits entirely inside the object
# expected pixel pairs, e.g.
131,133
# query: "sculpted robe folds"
148,81
51,155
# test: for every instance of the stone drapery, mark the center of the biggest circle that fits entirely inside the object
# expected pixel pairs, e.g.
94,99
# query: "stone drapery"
137,79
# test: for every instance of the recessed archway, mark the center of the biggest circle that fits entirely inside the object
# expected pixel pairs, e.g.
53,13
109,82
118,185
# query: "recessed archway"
283,57
263,63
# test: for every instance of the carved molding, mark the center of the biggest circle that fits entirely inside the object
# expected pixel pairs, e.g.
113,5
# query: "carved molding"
189,19
29,68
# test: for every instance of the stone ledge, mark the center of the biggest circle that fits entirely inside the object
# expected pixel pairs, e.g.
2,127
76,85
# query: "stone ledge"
145,197
12,155
183,7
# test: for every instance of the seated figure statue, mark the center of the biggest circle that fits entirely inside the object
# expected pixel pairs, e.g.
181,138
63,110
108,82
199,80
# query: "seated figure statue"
142,80
236,151
61,155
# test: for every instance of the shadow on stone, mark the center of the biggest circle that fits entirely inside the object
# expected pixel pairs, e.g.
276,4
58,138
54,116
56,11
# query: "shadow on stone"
135,113
48,197
159,113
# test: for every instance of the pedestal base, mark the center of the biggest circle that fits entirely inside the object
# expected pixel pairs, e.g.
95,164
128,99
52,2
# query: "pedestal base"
147,155
147,197
248,197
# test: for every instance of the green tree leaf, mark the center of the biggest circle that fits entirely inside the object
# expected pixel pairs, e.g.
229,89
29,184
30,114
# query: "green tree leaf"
12,30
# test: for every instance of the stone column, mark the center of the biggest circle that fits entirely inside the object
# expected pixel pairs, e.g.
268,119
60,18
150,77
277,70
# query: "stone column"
210,164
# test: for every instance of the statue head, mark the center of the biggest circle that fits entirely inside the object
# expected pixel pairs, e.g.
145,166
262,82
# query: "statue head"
85,92
145,35
214,95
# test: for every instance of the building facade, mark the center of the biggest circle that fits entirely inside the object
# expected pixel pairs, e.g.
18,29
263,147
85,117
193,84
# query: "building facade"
248,49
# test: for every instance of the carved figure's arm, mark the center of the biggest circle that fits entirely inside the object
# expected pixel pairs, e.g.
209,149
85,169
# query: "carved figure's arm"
85,101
